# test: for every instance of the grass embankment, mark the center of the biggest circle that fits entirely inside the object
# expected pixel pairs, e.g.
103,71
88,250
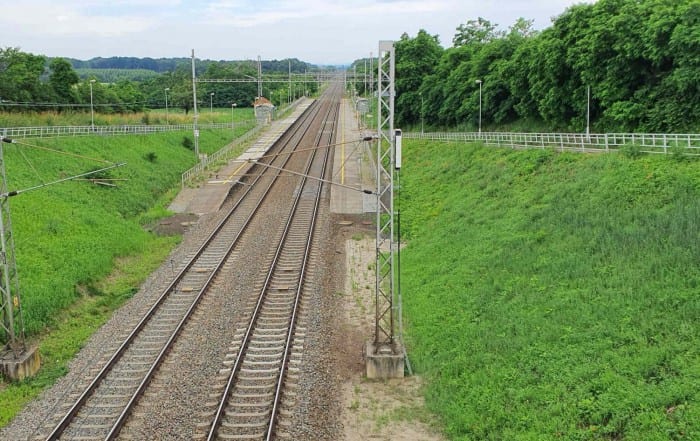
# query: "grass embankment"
553,296
81,248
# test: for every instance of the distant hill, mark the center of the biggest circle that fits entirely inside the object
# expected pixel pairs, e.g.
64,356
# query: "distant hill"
161,65
114,75
156,65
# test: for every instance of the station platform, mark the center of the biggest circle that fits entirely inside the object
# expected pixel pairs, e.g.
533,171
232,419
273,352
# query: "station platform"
209,196
352,166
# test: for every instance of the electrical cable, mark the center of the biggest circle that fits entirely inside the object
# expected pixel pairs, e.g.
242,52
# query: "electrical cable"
75,155
298,150
70,178
36,172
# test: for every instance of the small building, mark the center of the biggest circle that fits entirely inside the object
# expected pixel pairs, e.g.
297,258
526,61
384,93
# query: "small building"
264,110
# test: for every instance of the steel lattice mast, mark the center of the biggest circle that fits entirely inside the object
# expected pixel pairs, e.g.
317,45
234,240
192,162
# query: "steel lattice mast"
384,336
10,306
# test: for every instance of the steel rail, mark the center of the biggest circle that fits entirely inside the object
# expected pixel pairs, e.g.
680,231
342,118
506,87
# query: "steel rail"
218,416
292,328
114,432
85,395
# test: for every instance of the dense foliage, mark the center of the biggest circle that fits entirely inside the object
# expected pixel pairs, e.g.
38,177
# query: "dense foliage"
553,296
125,84
640,59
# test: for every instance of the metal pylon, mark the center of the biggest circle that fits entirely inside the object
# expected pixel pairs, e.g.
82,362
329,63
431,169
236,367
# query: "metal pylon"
384,335
12,331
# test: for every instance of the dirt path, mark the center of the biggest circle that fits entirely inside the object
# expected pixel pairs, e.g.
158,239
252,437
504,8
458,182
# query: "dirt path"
377,410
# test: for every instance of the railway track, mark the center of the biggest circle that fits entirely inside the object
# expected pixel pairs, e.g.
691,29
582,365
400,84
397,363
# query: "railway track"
102,409
251,398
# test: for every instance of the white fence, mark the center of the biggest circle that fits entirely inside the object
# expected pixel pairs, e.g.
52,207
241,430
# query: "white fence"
139,129
220,155
599,142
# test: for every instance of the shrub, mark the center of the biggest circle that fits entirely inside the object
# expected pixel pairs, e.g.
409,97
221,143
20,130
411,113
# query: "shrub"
632,151
187,143
677,153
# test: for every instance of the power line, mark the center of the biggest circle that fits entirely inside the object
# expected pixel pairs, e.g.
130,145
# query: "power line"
75,155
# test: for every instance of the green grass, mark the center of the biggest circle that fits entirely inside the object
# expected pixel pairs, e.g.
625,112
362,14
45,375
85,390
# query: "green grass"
553,296
69,234
152,117
75,324
83,249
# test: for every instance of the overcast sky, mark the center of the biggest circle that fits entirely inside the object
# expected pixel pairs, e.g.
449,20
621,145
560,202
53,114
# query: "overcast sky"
317,31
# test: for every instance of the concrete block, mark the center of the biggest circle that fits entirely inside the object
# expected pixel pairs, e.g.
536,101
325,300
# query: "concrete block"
20,366
387,363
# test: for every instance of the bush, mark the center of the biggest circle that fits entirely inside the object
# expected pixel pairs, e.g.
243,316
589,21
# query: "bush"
187,143
632,151
150,157
677,152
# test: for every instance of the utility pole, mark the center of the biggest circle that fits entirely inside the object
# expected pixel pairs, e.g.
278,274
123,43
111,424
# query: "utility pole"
16,360
371,73
384,355
354,78
92,110
588,114
289,87
12,326
194,100
364,91
260,91
167,121
479,82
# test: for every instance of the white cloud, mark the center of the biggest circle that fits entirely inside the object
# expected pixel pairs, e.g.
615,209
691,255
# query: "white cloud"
318,31
54,19
240,13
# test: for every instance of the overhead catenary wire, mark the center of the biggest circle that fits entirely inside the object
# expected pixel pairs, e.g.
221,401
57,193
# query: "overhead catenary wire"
306,149
291,172
60,152
112,165
36,172
70,178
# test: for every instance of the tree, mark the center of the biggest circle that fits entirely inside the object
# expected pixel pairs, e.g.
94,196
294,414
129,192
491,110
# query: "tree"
416,58
128,95
20,76
62,80
475,31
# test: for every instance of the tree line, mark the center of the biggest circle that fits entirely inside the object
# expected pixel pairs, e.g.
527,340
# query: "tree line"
162,65
639,59
36,83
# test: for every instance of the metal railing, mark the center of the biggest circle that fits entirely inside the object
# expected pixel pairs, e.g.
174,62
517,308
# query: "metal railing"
137,129
226,151
220,155
654,143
